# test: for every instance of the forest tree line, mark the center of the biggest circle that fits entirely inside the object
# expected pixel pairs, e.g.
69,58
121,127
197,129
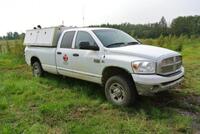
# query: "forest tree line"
12,36
186,25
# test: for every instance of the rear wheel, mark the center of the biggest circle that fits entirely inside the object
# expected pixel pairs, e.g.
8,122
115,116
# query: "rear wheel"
37,69
121,91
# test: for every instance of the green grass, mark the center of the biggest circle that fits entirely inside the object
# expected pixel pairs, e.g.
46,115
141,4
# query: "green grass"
56,104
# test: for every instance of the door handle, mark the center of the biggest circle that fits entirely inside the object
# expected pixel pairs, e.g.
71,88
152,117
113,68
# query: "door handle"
75,55
97,60
59,52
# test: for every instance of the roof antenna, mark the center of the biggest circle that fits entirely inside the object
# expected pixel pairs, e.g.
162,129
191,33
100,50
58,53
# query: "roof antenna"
62,22
83,18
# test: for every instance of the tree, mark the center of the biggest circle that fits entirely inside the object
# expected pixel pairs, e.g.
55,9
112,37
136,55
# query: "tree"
21,36
9,36
12,36
15,35
189,25
163,22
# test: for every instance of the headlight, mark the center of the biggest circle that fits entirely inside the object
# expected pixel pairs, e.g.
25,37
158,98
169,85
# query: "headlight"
143,67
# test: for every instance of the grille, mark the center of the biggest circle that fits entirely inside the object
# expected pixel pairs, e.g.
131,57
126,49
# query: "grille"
169,65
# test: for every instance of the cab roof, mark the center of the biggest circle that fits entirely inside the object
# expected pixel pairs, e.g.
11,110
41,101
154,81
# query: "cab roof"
90,28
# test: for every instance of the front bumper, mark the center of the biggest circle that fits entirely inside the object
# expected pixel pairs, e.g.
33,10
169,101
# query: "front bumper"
148,84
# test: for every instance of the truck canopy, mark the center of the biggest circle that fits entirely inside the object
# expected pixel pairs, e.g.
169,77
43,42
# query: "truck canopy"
44,37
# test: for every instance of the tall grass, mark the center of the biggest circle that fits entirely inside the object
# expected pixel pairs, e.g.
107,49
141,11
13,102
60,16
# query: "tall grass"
12,47
54,104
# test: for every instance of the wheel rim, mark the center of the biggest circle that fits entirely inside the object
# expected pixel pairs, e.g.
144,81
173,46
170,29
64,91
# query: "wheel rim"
117,92
36,70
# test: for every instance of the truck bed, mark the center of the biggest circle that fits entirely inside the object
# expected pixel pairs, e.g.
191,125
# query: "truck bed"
47,56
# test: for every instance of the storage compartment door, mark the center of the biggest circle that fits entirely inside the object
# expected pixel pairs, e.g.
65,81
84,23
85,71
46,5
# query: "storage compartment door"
30,38
45,37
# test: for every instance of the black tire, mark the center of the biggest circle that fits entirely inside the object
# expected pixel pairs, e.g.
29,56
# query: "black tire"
37,69
120,91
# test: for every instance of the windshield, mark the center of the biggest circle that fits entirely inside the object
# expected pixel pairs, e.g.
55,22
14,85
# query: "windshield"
114,38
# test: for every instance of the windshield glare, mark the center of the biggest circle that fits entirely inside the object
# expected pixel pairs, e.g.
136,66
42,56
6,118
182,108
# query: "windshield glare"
114,38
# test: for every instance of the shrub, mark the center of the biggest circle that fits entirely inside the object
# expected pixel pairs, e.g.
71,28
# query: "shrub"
172,42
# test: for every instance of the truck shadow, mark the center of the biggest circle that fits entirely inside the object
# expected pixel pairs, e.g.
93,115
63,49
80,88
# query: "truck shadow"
89,89
162,104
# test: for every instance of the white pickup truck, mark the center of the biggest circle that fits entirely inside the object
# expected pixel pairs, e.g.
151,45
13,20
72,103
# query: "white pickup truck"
110,57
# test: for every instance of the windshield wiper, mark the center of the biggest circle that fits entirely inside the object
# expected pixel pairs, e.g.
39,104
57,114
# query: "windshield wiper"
132,43
115,44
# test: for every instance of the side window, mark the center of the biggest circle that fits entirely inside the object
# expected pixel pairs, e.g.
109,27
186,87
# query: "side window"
67,39
84,37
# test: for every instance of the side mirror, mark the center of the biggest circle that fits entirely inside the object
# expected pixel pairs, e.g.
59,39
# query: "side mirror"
87,46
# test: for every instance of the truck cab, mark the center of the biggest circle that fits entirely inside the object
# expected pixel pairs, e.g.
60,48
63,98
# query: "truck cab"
110,57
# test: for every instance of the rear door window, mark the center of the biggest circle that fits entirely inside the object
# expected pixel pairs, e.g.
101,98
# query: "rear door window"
67,39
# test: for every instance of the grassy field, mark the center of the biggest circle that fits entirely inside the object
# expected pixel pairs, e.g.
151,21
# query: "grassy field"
56,104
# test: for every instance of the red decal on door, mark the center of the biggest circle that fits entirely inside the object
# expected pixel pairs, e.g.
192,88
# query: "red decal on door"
65,57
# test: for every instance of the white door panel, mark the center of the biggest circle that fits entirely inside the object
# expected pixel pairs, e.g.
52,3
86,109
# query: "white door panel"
87,61
64,53
61,61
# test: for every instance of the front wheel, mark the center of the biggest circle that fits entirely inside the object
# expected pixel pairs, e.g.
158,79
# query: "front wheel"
37,69
120,91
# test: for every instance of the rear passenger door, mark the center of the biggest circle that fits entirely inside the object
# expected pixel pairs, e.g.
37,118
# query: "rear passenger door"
64,54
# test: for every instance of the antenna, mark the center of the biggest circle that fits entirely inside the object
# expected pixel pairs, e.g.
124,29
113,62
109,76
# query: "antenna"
83,13
63,22
83,20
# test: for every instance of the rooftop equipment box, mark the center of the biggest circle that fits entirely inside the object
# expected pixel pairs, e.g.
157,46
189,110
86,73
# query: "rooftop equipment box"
43,37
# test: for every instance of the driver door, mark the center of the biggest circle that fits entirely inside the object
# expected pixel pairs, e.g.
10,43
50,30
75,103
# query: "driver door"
87,63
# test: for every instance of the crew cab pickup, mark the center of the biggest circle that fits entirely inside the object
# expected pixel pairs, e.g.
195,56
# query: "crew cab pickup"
110,57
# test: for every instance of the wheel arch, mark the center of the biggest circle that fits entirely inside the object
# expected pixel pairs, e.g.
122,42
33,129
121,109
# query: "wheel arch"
34,59
113,70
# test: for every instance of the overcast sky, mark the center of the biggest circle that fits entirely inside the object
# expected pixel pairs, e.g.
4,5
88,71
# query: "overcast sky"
19,15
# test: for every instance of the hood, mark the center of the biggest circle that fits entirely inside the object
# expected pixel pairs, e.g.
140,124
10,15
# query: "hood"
144,51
